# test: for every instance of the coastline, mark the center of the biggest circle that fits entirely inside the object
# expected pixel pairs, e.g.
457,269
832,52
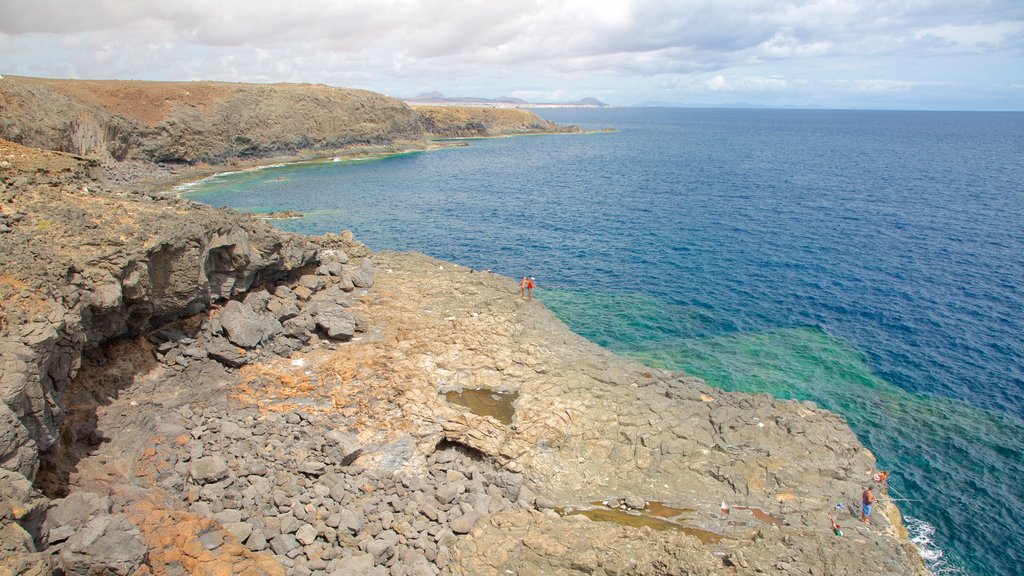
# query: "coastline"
185,176
179,177
244,397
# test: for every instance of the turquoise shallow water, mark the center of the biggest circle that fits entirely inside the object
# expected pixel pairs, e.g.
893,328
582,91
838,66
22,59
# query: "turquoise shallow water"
868,261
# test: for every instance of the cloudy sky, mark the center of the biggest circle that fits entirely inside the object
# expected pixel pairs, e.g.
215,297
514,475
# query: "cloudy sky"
917,54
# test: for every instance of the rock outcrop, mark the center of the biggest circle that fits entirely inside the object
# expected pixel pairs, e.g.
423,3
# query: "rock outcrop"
83,266
475,122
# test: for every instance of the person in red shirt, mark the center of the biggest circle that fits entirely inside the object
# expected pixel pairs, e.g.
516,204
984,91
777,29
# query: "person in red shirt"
530,284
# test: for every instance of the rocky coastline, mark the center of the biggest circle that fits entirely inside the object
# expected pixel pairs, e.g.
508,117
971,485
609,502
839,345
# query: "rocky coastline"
187,390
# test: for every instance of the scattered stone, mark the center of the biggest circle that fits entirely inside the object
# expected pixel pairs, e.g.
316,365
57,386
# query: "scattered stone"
241,530
632,502
282,544
312,282
463,524
209,469
306,534
334,320
242,324
107,544
312,468
226,353
363,276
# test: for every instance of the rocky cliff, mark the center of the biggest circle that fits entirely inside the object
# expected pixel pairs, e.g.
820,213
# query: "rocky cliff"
215,122
470,122
187,390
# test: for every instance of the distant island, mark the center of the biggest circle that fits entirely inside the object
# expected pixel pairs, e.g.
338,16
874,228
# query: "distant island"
439,99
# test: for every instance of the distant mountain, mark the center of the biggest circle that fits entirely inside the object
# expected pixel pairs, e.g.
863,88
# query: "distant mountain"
730,105
438,99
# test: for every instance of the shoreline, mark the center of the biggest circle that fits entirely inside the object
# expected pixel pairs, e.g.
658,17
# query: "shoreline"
192,175
180,177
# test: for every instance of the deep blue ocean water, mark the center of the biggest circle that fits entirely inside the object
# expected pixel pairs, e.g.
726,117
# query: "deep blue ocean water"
869,261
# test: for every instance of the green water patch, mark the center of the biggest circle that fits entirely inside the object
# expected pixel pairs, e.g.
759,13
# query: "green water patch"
940,450
484,402
627,321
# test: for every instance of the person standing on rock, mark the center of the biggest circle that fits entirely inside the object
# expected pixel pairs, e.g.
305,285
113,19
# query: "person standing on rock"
522,288
866,500
530,284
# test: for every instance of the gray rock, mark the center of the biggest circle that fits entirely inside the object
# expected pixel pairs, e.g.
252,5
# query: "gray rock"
270,327
511,483
312,468
463,524
338,256
256,542
241,530
330,269
210,469
447,493
107,544
211,540
226,353
284,346
73,512
283,309
228,516
446,538
300,327
289,524
282,544
633,502
306,534
343,448
313,283
351,521
333,319
345,283
363,276
257,300
383,546
356,565
243,326
285,293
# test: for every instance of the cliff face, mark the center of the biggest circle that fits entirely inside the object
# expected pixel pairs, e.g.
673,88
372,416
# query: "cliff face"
82,266
470,122
214,122
196,121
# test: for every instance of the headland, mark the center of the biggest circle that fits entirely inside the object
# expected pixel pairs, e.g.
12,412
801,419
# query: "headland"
186,389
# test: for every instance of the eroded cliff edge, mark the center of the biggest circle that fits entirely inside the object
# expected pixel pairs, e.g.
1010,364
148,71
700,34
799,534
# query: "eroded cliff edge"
135,127
210,394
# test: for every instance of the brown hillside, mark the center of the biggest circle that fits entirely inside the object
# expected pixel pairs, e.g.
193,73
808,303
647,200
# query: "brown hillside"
218,122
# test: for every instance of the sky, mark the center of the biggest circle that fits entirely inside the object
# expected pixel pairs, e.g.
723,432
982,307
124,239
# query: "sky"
902,54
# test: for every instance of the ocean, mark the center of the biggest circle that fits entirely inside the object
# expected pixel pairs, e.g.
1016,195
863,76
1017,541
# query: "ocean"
869,261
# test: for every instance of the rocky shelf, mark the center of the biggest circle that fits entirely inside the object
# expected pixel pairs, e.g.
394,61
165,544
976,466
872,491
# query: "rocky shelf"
188,390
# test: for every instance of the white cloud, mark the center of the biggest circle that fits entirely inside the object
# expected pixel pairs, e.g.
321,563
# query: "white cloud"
609,46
